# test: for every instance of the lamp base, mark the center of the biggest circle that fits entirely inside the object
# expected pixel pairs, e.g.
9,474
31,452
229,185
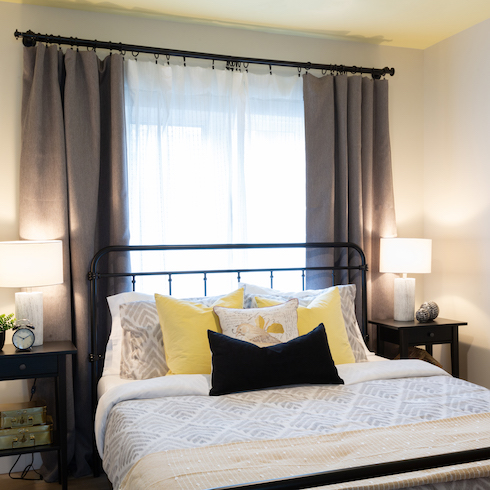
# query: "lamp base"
404,299
29,306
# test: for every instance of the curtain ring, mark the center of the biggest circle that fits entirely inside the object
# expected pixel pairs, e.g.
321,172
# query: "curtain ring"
168,59
156,58
270,69
299,71
184,60
245,65
135,55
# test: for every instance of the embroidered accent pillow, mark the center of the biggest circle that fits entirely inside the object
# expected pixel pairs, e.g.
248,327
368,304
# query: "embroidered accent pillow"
260,326
142,354
242,366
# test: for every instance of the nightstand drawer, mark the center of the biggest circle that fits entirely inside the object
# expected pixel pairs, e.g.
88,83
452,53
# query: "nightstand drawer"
429,334
27,366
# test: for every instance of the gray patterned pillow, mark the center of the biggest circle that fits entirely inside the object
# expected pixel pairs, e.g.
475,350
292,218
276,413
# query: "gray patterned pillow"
142,354
347,301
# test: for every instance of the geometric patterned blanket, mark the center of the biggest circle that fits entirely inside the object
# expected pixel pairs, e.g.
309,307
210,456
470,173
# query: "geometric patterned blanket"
136,428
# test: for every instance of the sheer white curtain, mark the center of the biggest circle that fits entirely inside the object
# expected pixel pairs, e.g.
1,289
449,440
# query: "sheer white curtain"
214,156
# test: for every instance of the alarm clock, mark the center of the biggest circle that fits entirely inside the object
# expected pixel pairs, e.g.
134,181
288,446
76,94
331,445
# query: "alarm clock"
23,336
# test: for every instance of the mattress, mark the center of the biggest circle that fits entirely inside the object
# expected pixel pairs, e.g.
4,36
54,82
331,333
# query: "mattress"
169,413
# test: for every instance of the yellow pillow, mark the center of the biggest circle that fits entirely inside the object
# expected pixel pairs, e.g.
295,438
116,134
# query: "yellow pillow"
325,309
185,326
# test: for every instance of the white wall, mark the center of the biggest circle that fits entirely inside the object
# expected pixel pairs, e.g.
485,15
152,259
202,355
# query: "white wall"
406,98
456,196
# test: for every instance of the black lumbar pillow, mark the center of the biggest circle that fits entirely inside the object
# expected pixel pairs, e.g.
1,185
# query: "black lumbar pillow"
242,366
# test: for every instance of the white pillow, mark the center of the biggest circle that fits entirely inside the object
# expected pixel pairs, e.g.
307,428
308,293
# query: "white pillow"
347,298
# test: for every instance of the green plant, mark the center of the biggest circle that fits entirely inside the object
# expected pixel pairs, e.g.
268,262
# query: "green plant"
7,322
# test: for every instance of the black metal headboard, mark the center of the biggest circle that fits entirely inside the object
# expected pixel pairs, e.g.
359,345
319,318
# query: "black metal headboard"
340,259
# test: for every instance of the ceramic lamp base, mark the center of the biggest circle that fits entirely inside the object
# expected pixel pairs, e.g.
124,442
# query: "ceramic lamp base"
404,299
29,306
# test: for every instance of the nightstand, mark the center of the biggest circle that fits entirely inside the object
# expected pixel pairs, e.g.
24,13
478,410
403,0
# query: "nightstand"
409,334
44,361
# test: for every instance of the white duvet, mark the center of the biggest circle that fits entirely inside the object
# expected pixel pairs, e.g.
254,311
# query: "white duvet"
171,412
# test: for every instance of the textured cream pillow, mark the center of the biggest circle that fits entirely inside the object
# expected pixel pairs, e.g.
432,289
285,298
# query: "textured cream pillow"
325,309
260,326
185,326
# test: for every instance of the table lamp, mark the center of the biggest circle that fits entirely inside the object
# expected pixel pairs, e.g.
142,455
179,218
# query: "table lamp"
26,264
405,256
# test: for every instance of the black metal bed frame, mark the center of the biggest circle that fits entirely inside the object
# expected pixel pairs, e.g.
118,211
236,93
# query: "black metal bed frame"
356,263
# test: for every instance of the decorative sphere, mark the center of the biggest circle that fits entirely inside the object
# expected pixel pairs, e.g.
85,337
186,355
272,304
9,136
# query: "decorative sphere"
423,315
433,309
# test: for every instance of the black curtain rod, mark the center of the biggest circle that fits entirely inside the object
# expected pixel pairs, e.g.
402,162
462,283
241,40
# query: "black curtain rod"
30,38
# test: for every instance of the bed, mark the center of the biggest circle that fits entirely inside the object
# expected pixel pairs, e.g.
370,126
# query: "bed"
276,388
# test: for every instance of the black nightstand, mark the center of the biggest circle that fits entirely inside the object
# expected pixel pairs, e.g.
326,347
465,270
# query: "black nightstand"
45,361
409,334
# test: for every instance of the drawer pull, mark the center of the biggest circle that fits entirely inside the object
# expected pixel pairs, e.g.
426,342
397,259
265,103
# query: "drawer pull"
22,367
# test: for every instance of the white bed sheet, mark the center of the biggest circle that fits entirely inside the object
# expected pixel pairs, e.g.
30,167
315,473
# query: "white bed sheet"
109,381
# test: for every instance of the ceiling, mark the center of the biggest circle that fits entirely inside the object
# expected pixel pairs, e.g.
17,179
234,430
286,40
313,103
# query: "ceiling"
404,23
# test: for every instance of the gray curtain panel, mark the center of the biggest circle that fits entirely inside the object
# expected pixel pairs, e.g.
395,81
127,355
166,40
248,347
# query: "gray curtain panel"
349,193
73,186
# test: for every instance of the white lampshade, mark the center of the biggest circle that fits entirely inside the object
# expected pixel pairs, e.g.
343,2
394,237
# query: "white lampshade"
405,255
27,264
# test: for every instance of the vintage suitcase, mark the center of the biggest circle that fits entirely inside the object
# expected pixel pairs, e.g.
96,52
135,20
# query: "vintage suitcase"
22,414
37,435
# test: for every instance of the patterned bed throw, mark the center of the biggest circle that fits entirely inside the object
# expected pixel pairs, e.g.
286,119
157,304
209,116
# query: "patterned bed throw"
243,462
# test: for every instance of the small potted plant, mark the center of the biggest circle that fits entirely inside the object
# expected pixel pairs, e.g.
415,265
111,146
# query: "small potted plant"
6,323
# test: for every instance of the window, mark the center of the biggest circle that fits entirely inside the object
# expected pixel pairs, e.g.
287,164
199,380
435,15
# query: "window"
214,156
